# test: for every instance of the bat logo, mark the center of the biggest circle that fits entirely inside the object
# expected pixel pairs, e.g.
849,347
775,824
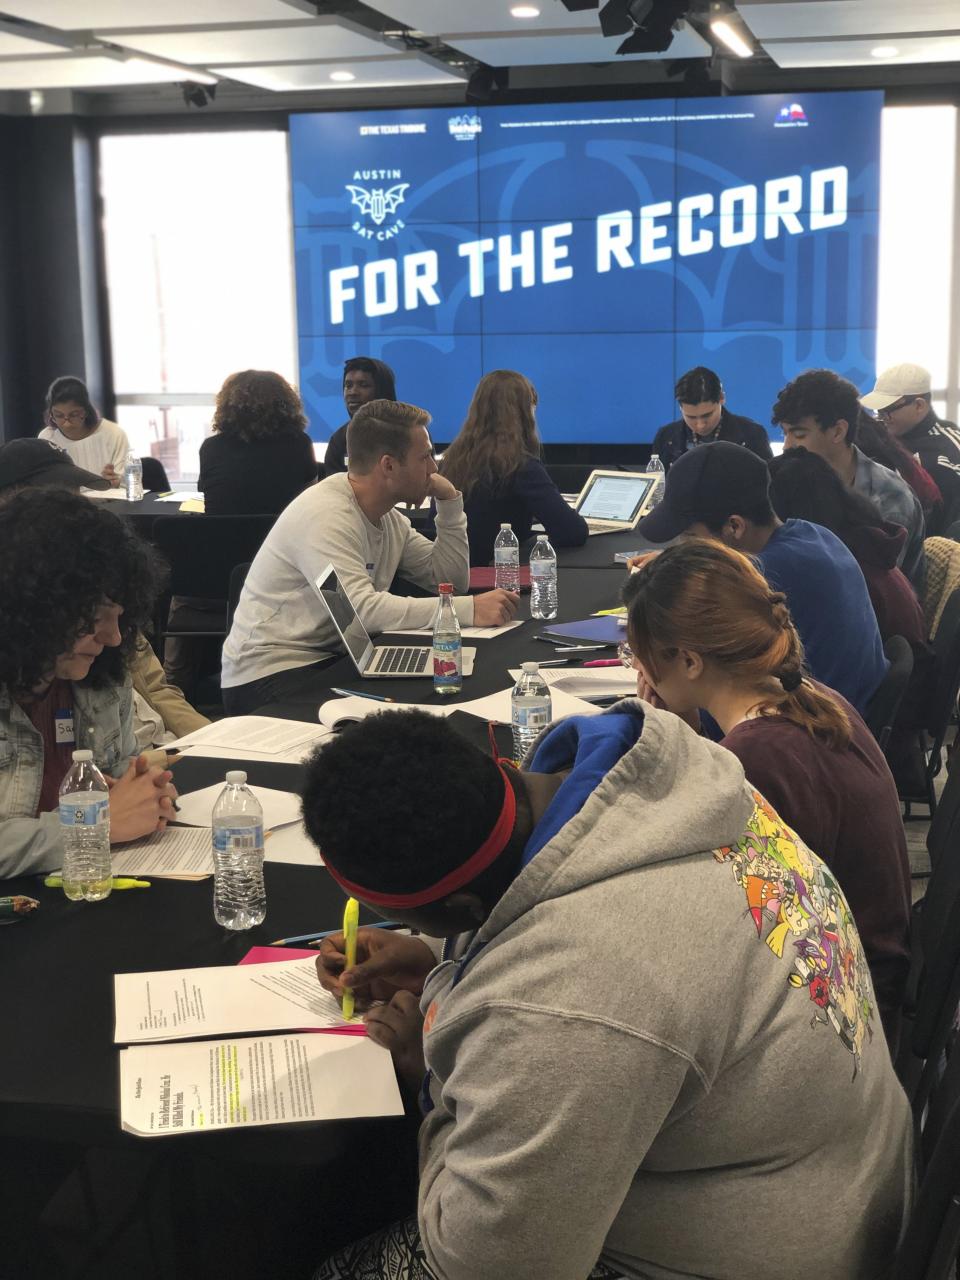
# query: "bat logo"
376,202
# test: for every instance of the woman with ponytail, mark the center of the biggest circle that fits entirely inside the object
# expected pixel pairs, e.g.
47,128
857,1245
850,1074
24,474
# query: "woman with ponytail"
707,631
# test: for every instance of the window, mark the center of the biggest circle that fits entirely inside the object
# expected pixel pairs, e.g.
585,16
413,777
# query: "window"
199,272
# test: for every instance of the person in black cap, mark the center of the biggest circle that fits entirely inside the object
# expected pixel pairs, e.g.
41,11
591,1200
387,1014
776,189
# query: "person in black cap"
705,418
41,462
723,492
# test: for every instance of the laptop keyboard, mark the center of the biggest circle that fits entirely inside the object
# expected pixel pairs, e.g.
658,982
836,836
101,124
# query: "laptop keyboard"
401,660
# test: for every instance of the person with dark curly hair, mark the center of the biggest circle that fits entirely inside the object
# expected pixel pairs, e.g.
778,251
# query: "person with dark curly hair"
705,418
364,379
820,412
609,1047
75,586
72,422
259,456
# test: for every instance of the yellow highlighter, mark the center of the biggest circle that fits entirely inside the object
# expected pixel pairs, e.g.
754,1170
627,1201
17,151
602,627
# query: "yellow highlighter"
351,921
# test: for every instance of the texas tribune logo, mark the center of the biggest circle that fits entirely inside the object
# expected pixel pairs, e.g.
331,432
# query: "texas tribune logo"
791,117
377,202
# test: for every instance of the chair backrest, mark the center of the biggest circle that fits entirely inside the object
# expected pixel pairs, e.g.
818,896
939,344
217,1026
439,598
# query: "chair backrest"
154,477
940,835
946,645
885,703
569,477
238,576
202,550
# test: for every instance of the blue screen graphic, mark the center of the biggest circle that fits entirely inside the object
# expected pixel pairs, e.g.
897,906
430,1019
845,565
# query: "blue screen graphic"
602,249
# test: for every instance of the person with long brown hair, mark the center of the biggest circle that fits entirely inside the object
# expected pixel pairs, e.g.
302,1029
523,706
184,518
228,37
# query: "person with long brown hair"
495,463
707,631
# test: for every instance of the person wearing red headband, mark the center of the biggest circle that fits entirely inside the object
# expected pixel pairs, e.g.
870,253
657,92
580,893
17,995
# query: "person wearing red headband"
661,1010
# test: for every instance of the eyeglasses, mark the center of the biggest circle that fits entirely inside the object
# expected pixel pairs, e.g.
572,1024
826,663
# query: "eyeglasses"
75,415
894,408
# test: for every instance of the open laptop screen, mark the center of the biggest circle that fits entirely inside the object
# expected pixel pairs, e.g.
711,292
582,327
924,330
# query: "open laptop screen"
344,616
615,497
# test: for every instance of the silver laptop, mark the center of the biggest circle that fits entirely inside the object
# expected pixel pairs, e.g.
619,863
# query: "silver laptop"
612,501
374,662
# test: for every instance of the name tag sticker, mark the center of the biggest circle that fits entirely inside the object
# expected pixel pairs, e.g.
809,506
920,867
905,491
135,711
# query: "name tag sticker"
64,727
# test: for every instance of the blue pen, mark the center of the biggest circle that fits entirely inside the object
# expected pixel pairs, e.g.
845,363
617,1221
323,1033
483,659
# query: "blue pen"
354,693
327,933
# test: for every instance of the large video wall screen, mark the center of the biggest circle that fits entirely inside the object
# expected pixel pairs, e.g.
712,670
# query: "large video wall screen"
600,248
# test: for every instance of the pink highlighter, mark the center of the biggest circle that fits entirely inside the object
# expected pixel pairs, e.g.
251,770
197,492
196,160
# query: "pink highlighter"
604,662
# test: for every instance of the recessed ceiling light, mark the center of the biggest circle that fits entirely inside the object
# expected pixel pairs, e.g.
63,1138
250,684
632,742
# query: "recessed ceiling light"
884,51
732,38
342,76
525,11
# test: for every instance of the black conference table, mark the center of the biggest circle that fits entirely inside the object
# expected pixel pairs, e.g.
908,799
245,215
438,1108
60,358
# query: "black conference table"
59,1066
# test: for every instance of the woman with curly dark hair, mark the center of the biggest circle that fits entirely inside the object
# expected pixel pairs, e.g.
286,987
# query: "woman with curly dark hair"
259,456
75,586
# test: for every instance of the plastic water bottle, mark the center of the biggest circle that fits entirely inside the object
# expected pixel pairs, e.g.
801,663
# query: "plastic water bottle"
656,468
543,579
506,560
531,709
85,830
447,645
133,477
239,896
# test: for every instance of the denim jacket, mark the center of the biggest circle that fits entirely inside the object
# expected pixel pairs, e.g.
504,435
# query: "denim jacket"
103,720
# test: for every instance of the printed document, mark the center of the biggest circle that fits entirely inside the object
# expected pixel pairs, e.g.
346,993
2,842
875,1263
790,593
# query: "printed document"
254,738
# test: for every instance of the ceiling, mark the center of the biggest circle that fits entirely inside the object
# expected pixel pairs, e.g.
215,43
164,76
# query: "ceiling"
257,51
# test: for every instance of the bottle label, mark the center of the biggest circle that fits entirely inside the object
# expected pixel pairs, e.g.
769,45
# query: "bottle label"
447,657
531,717
543,569
506,555
89,812
238,839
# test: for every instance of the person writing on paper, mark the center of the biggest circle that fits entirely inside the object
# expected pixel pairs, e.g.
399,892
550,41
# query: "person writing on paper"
495,463
75,584
282,634
632,1026
74,425
708,632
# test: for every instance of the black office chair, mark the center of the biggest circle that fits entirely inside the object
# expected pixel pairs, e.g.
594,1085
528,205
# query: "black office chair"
570,477
953,532
885,703
238,576
946,645
154,477
202,552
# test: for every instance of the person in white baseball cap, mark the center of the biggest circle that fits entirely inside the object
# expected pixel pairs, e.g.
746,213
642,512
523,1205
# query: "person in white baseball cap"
902,399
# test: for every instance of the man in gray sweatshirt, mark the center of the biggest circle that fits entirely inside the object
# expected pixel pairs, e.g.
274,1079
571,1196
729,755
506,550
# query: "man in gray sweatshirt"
657,1054
281,631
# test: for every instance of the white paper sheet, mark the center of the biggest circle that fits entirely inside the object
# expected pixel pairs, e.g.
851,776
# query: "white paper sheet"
175,851
235,1084
175,1004
185,495
279,807
255,738
495,706
117,495
292,844
467,633
589,682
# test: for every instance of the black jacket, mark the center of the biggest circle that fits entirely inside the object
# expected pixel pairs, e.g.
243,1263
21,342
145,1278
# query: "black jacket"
254,477
335,459
528,495
672,441
937,445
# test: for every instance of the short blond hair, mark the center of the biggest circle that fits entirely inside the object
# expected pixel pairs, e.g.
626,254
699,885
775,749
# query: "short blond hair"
381,427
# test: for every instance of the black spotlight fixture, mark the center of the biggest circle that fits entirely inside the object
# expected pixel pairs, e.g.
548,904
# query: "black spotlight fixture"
579,6
197,95
483,82
654,22
615,19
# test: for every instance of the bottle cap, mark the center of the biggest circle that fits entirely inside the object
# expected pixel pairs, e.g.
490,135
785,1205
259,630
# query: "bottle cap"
506,525
236,776
446,588
82,756
531,667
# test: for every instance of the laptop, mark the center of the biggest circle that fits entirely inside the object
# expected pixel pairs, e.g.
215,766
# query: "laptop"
616,501
375,662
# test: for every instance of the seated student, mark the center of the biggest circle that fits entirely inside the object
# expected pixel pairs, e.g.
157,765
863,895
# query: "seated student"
819,411
618,1054
75,583
363,380
875,440
704,419
73,424
902,398
160,711
495,463
281,632
723,493
259,456
707,631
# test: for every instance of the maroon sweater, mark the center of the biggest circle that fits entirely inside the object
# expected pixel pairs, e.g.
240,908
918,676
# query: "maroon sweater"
844,805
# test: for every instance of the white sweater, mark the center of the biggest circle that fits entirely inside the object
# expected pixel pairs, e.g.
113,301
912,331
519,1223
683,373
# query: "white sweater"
107,444
280,621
